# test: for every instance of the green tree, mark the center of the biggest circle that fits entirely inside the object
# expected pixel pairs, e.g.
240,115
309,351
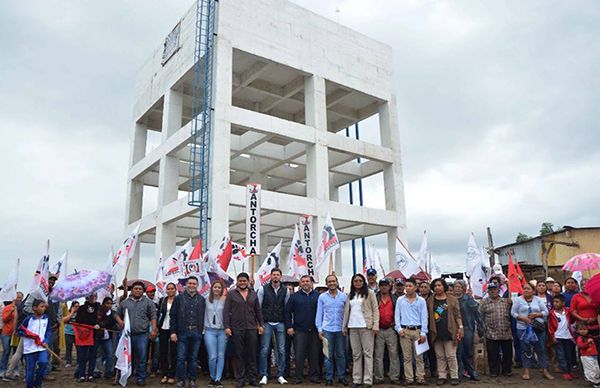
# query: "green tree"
547,228
522,237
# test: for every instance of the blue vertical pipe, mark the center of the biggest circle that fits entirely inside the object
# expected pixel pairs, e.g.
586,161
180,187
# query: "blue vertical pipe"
351,202
360,200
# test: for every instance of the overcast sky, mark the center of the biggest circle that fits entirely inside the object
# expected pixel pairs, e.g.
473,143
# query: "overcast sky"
496,105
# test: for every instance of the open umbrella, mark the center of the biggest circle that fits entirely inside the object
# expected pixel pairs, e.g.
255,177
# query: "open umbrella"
79,285
592,287
583,262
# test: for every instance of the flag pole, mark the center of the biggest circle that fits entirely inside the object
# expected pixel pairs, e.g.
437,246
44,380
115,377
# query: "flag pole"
331,264
252,268
412,257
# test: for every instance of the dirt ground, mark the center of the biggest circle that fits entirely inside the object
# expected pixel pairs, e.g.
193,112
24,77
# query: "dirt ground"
65,380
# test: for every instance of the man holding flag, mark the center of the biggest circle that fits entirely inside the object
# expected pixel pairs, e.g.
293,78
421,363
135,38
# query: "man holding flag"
35,332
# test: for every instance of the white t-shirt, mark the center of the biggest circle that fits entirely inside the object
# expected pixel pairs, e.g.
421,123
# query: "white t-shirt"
167,320
562,330
356,320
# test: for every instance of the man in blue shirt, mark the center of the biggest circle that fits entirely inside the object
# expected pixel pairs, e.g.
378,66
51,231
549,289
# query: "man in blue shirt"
411,319
330,315
300,312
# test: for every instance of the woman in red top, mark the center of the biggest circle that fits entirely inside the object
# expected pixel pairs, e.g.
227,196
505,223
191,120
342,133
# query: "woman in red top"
583,309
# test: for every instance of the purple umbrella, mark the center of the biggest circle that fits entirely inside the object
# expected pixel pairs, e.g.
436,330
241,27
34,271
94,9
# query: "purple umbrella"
79,285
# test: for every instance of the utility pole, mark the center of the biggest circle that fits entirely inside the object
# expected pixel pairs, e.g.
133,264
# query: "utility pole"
491,247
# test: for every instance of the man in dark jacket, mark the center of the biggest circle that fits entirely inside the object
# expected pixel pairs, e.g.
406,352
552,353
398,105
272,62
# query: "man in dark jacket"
300,313
471,318
243,321
186,323
272,297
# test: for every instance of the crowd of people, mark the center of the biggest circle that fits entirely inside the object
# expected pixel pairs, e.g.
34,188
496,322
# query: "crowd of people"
407,331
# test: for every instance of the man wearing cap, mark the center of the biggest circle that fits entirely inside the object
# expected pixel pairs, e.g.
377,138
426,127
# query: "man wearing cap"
387,337
153,348
549,285
372,279
495,311
399,289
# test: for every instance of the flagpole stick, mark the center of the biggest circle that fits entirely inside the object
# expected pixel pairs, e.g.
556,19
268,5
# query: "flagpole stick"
331,263
252,268
411,256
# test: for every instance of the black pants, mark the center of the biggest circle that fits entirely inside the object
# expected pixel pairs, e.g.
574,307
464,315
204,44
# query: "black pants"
500,356
307,343
168,353
245,343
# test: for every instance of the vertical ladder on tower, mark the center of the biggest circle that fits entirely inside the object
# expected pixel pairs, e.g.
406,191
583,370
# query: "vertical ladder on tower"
203,113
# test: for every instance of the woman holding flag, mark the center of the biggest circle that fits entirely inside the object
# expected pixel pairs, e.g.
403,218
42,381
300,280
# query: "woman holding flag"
85,323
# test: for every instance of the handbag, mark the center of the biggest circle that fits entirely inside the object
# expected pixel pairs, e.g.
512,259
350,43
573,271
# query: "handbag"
538,326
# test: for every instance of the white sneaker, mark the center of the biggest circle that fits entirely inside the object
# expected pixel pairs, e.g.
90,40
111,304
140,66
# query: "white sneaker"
263,381
281,380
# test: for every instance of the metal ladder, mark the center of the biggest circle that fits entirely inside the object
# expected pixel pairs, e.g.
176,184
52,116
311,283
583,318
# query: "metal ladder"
203,112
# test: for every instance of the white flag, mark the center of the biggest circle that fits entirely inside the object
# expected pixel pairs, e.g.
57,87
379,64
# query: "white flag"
328,243
106,291
9,289
423,252
272,261
60,267
296,259
434,269
373,259
174,264
473,254
159,278
125,251
217,255
40,288
123,352
405,262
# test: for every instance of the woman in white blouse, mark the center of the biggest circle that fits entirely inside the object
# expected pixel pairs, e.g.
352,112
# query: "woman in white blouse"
214,333
168,348
361,322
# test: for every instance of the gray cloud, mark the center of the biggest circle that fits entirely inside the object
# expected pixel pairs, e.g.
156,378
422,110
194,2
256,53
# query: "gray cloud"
496,104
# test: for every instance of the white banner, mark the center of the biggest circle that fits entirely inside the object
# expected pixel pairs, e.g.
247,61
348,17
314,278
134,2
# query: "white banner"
306,227
253,219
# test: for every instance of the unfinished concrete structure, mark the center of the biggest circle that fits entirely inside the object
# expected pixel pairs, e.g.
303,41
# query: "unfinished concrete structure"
287,84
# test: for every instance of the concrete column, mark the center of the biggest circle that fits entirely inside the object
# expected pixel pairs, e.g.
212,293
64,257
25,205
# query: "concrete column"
134,198
220,141
168,177
392,174
317,159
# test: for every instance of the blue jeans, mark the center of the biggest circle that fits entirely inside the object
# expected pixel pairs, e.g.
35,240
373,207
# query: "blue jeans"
216,342
188,344
465,354
265,349
5,352
33,376
139,345
565,353
107,356
539,348
337,349
86,360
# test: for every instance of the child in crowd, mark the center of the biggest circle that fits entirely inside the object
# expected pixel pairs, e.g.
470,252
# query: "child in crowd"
559,325
36,334
588,354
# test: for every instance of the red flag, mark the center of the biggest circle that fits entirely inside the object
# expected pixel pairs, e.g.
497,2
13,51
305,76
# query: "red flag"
513,277
224,255
197,252
33,336
521,275
84,334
